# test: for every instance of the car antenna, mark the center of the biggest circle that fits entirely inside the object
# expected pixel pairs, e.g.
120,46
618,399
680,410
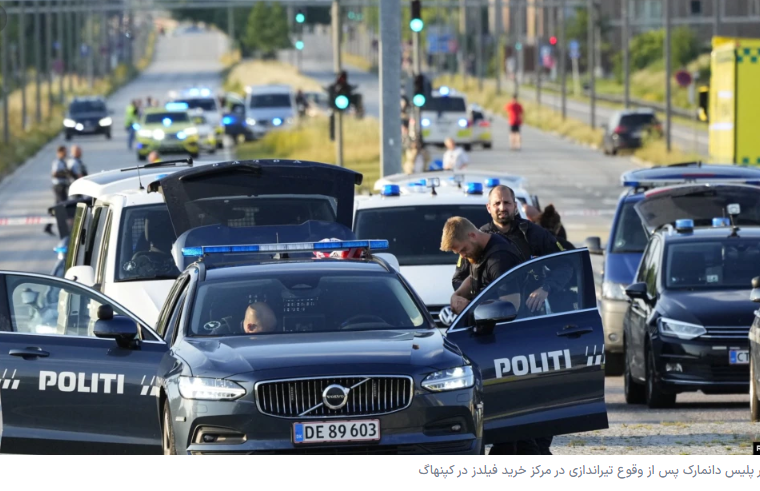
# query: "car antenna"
139,179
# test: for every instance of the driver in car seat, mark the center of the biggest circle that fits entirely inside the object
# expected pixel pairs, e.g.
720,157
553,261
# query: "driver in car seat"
159,236
259,318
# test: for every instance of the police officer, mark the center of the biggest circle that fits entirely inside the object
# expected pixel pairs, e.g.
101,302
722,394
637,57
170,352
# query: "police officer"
532,241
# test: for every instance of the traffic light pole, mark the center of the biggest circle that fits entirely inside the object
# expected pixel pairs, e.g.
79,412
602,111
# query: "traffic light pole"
417,67
337,66
390,74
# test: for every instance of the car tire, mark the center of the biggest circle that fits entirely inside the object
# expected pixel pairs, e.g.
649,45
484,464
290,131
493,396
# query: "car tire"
634,391
108,135
167,433
467,147
212,151
219,144
657,397
754,396
614,151
488,146
68,137
614,365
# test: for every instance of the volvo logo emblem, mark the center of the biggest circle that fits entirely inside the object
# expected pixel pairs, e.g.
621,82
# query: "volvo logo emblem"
335,396
446,316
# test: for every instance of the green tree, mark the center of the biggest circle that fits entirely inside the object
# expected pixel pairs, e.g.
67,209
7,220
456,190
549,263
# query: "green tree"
255,31
267,30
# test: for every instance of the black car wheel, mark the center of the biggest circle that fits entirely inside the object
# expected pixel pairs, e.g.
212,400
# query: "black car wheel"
167,440
467,147
614,364
108,135
657,397
488,146
68,136
754,396
634,391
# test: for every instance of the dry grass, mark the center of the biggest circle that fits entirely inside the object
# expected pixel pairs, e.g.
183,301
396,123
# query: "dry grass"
358,61
311,141
22,143
263,72
656,153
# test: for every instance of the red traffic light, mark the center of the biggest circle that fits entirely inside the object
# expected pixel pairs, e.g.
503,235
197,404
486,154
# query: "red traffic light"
553,40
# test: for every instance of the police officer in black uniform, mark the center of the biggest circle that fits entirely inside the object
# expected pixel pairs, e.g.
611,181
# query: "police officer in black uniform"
532,241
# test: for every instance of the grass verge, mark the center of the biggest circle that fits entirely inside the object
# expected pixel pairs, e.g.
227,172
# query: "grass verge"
310,140
264,72
359,62
23,144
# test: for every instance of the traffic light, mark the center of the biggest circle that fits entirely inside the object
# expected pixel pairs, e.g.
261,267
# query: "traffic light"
416,24
299,45
340,93
518,46
419,91
300,17
553,40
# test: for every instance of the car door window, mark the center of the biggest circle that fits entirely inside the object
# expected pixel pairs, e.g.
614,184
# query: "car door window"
641,274
169,306
562,274
42,306
653,268
100,244
95,234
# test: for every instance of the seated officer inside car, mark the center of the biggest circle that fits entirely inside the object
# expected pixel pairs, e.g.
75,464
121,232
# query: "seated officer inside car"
259,319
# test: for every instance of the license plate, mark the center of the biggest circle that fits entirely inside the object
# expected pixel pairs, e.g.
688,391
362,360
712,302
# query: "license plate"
638,134
738,357
336,431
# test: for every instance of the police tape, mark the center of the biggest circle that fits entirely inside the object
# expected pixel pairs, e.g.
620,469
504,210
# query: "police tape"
587,213
28,220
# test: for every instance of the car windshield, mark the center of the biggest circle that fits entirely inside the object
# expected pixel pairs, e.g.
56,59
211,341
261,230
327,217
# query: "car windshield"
207,104
629,234
303,302
87,107
270,100
144,247
636,120
726,263
414,232
445,105
173,117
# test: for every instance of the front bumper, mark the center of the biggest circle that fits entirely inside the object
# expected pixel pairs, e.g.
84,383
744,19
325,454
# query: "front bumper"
81,129
147,145
460,136
703,364
613,313
426,426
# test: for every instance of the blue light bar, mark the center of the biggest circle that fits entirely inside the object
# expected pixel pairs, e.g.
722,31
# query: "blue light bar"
631,184
277,121
61,249
226,121
176,106
684,225
390,190
444,91
474,188
721,222
282,248
492,182
166,121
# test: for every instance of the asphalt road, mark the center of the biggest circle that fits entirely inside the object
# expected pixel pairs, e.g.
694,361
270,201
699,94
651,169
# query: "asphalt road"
181,61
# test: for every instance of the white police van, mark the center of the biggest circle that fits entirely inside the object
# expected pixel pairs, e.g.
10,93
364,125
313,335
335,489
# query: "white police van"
445,115
412,220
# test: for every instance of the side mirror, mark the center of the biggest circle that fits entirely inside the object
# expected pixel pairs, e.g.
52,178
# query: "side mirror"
81,274
492,312
594,245
755,294
122,329
637,290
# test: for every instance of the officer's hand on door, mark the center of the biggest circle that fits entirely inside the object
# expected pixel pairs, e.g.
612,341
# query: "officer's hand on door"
536,299
458,304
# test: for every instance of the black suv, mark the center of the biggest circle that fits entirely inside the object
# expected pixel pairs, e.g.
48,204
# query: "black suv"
626,130
687,325
88,116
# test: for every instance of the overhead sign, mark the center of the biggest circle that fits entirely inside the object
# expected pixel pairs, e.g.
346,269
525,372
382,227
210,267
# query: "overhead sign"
574,49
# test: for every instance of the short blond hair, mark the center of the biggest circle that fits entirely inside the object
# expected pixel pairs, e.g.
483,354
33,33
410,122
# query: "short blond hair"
456,230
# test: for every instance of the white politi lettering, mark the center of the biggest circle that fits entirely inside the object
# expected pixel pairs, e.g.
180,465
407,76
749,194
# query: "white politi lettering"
502,366
82,383
94,388
71,382
567,359
555,359
544,362
523,369
522,365
47,379
67,382
120,384
107,378
533,367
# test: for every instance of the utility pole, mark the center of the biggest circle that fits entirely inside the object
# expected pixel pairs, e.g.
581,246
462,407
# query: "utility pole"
37,64
479,43
668,102
439,31
90,55
592,60
22,61
231,27
626,55
716,17
417,70
520,53
390,91
498,29
463,40
563,57
537,52
49,53
6,78
337,67
61,39
70,59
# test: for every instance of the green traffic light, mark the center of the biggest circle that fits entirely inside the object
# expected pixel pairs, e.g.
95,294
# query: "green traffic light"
418,100
341,102
299,45
416,25
300,18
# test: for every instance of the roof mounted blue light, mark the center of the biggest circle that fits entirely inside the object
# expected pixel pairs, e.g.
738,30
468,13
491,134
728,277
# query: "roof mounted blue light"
444,91
176,106
492,182
631,184
390,190
474,188
285,248
61,249
684,225
721,222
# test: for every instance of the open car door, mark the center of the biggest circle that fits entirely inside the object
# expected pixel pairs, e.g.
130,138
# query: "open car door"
699,202
543,371
258,193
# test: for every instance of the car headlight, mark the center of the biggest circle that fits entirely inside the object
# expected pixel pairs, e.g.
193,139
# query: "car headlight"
678,329
451,379
191,131
69,123
250,121
613,291
158,135
105,121
209,389
289,121
145,133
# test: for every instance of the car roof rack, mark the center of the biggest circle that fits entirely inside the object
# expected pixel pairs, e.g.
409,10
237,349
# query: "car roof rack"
165,163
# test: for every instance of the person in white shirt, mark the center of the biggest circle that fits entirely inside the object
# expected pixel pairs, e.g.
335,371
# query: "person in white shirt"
455,157
61,176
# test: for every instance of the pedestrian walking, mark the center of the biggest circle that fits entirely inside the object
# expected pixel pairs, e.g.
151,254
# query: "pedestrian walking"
61,176
455,158
514,112
75,164
130,118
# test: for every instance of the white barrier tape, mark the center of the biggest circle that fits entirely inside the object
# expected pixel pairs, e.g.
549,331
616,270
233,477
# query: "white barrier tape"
40,220
587,213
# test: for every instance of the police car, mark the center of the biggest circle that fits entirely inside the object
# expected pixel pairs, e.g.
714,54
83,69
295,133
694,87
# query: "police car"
413,223
347,360
208,139
480,123
443,116
168,130
202,99
754,353
269,107
687,324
